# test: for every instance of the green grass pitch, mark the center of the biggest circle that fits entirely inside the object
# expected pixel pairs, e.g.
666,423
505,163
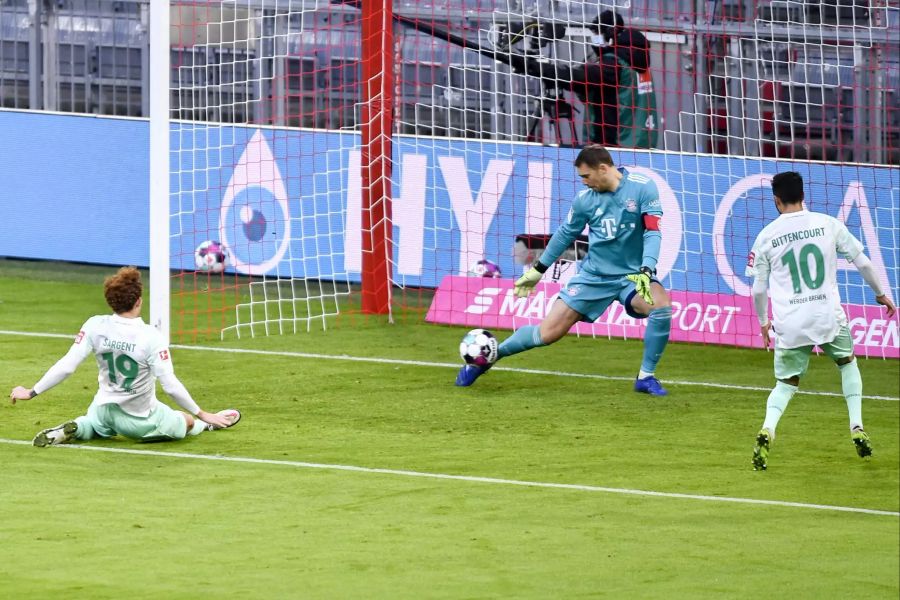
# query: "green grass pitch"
282,520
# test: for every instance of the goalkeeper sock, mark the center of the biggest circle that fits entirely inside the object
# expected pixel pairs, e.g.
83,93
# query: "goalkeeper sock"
851,382
199,427
659,323
524,338
779,397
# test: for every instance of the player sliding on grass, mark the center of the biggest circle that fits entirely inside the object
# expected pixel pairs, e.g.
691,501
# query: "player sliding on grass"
130,355
797,255
622,211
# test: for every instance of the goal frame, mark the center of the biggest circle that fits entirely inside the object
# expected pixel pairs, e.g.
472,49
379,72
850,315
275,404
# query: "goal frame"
377,112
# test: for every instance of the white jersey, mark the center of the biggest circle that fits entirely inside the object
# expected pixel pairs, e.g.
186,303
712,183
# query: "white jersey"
130,356
797,254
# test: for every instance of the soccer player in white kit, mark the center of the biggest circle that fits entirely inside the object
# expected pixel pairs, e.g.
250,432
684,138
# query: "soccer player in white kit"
794,258
130,356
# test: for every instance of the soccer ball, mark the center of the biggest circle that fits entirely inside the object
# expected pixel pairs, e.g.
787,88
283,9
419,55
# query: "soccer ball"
484,268
479,348
211,256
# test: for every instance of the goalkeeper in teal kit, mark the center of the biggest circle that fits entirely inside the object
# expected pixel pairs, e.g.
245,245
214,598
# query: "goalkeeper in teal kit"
622,211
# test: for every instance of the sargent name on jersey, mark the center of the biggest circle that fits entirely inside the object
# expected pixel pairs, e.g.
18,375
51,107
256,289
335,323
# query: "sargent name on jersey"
117,345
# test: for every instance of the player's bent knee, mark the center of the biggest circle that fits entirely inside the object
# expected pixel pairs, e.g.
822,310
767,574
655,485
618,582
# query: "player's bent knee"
663,302
844,361
660,296
189,419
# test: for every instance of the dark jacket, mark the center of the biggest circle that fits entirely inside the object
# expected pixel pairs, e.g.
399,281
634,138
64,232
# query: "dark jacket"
594,83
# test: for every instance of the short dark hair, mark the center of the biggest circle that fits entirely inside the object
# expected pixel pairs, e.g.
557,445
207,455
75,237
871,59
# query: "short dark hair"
609,22
788,186
593,156
123,289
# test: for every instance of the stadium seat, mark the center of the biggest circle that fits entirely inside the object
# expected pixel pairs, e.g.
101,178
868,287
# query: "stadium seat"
416,108
98,46
233,71
189,76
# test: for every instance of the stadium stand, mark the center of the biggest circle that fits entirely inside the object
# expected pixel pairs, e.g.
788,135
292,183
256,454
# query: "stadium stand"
768,78
16,59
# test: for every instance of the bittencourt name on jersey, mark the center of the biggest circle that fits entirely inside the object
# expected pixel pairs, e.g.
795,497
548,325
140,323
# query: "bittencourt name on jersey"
798,235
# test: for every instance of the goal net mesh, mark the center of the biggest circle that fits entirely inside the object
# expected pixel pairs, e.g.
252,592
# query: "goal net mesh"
472,131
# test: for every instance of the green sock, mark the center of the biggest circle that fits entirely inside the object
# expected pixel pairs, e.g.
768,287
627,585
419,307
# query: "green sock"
779,397
851,382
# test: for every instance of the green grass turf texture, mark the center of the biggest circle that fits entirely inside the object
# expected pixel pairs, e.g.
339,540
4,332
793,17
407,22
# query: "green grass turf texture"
100,525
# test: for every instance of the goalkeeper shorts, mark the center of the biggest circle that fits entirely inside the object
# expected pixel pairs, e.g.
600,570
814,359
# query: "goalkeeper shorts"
590,295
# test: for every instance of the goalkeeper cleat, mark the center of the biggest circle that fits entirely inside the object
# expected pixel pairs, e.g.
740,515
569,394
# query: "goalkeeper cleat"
650,385
761,450
469,373
61,434
861,441
232,414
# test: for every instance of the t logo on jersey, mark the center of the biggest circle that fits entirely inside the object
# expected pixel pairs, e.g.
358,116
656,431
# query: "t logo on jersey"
164,354
79,337
609,227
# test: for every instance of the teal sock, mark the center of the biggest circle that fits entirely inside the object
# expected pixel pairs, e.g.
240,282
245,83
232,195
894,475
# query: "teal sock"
851,382
199,427
85,430
659,323
779,397
524,338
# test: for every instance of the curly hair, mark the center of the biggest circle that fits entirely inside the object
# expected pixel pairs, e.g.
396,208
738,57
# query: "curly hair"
123,289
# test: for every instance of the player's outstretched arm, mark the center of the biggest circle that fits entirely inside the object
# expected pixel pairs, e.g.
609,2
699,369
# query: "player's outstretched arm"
21,393
887,303
176,390
214,419
864,266
54,375
760,294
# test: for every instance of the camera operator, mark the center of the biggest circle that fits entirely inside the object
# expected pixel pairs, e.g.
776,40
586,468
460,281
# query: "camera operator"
638,122
615,86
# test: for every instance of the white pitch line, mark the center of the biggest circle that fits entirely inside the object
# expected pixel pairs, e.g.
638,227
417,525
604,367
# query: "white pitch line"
418,363
471,478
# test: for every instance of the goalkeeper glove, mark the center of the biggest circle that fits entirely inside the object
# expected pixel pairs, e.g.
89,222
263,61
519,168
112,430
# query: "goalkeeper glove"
642,284
525,284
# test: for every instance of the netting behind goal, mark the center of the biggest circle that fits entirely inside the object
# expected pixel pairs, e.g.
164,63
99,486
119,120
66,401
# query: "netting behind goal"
292,150
263,147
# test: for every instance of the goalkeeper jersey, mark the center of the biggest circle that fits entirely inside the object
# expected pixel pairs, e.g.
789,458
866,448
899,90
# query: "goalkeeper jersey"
615,227
797,254
130,356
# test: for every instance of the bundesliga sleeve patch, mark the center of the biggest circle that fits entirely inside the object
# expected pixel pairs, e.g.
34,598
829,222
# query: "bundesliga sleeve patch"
750,259
79,337
164,354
